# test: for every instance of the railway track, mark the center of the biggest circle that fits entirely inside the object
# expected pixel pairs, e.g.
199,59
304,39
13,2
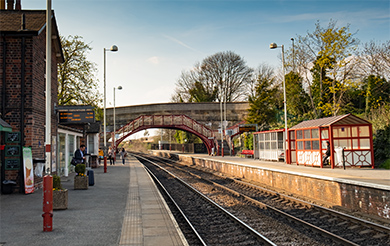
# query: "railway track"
299,222
205,222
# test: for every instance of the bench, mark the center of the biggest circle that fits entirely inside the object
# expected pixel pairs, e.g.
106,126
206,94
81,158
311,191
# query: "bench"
247,152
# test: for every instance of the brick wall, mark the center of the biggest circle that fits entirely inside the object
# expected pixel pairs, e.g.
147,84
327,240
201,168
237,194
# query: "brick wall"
34,101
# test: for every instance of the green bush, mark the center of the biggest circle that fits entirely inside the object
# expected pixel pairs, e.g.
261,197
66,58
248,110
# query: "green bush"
382,144
57,182
386,164
80,169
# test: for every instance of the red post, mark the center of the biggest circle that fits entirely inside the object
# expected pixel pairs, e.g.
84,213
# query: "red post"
47,203
105,164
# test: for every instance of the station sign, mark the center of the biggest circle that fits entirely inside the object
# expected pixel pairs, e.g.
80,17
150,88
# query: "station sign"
76,117
248,128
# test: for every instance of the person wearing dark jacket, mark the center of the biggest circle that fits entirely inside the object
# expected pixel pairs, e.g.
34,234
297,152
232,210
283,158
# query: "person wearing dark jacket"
79,154
327,154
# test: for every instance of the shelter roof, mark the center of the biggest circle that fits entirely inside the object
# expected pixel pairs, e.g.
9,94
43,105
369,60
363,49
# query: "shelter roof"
4,126
347,119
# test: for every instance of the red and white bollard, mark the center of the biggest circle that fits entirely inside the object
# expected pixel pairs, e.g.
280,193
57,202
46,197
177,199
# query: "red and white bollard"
47,203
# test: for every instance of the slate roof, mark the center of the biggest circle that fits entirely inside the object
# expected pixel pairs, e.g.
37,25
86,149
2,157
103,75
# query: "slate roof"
35,23
347,119
10,20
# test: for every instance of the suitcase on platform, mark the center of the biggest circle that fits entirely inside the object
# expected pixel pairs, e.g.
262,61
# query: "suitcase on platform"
91,179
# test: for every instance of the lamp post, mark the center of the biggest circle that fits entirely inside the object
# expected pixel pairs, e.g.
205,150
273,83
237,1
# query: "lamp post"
113,48
274,46
293,53
119,88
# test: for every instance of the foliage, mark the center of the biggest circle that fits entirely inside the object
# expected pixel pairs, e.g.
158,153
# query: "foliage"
80,169
186,137
382,144
297,98
328,49
222,76
198,93
377,92
77,84
386,164
248,140
262,110
57,182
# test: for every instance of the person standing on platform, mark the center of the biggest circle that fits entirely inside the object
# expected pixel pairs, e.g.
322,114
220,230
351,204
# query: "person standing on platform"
79,154
111,156
123,154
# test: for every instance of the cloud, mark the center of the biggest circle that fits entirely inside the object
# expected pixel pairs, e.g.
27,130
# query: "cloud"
153,60
180,43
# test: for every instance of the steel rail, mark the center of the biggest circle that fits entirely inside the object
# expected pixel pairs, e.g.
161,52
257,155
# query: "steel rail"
261,237
173,201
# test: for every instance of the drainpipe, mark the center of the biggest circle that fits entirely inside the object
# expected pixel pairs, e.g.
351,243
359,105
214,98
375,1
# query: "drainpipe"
22,98
2,113
3,101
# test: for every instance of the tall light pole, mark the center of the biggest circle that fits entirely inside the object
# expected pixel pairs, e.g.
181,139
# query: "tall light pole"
293,53
274,46
113,48
119,88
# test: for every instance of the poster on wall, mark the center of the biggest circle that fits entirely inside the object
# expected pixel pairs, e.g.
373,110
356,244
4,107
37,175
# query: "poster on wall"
28,170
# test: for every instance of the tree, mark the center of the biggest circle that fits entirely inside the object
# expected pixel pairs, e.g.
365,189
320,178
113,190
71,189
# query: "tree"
224,71
262,106
374,59
330,49
297,98
76,76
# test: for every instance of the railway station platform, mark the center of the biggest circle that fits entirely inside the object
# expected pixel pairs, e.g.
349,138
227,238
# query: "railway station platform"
124,207
362,190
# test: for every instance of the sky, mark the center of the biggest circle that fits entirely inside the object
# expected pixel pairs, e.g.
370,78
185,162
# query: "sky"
157,40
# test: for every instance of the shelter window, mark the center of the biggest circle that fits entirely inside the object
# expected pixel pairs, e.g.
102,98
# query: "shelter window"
364,143
324,133
307,134
261,137
267,145
308,145
299,134
293,145
364,131
273,136
315,144
261,145
292,134
342,132
273,145
314,133
300,144
266,136
280,145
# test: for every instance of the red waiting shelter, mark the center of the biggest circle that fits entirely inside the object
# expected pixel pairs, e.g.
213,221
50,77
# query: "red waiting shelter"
307,142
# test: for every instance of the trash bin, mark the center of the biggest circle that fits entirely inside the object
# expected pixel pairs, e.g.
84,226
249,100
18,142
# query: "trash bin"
91,179
7,186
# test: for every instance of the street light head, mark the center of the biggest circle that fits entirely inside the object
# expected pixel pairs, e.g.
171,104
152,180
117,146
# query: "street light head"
273,46
114,48
119,88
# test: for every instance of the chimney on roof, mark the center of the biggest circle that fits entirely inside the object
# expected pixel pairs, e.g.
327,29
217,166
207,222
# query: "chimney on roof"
18,6
10,4
23,22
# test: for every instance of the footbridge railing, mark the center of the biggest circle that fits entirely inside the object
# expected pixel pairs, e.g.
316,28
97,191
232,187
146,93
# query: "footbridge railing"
181,122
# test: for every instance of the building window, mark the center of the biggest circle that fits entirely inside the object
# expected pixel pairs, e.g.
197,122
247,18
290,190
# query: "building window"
91,144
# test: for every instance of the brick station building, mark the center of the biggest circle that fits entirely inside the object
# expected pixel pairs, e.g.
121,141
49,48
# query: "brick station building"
22,83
